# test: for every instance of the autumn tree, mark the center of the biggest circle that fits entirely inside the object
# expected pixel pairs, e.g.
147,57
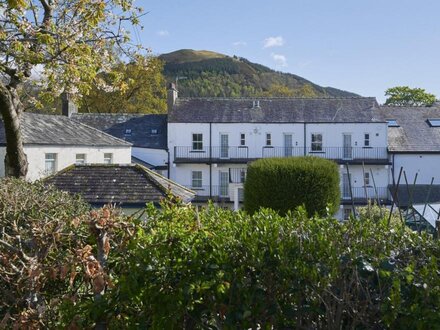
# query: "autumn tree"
406,96
135,87
65,43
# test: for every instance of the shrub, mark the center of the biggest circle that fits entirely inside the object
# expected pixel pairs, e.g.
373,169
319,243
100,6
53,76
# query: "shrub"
219,269
51,252
283,184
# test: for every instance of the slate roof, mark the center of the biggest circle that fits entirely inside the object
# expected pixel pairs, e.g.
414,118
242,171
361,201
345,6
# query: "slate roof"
273,110
124,185
414,133
141,127
60,130
419,194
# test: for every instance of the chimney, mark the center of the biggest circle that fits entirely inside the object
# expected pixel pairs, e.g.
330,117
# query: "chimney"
68,106
171,96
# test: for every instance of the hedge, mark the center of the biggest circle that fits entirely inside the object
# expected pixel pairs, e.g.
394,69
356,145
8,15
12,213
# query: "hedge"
218,269
283,184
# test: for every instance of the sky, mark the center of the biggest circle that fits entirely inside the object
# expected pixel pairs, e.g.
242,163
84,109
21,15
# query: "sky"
362,46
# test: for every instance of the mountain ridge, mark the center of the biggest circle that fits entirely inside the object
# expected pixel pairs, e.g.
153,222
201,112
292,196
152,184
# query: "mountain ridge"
203,73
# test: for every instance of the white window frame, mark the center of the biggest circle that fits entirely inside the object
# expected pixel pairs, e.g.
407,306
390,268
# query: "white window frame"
108,158
242,139
81,162
316,145
367,179
269,139
51,161
197,179
242,175
197,145
367,140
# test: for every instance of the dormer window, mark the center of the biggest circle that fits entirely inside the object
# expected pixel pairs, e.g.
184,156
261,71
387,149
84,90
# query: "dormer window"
434,122
128,131
154,131
392,123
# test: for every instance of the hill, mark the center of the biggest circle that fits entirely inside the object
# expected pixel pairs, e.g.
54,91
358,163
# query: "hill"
211,74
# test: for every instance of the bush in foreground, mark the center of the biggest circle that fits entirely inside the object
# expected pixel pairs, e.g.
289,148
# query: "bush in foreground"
214,268
51,252
283,184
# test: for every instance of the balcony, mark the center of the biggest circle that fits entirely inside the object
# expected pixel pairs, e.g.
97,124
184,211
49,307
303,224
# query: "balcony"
243,155
362,194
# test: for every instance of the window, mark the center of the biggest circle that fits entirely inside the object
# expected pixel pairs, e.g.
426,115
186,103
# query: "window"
392,123
50,163
128,131
347,214
366,179
154,131
434,122
316,142
242,139
108,158
197,143
268,139
196,179
242,175
366,139
80,159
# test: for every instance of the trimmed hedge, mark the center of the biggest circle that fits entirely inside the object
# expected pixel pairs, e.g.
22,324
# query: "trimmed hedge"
283,184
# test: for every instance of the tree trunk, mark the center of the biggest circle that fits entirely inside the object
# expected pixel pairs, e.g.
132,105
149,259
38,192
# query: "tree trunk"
16,164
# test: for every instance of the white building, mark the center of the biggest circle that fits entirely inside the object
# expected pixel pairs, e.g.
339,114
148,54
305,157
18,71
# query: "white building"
414,147
146,133
212,140
53,143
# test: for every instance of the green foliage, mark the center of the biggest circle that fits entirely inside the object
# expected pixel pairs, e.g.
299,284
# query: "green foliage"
406,96
211,74
218,269
136,87
283,184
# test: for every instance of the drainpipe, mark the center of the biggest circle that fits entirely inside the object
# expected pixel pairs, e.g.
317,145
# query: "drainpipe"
305,143
169,168
210,161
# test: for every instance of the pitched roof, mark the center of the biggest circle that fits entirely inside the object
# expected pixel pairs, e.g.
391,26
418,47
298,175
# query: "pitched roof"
123,185
414,133
145,131
420,194
273,110
60,130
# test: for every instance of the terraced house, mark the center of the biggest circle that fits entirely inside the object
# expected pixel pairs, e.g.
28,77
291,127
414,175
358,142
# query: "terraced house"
211,141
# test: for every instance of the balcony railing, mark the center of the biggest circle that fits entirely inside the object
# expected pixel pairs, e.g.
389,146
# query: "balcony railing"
244,154
364,193
224,193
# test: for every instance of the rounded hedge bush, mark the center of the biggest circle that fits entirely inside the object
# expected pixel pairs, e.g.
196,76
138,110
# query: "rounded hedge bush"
283,184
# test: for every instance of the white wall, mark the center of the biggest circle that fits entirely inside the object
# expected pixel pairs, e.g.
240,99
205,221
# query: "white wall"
156,157
180,135
426,165
66,156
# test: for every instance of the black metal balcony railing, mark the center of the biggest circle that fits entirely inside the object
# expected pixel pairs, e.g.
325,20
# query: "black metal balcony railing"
224,193
245,154
364,193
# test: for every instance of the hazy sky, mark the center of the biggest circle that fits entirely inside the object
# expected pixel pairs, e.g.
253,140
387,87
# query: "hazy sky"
363,46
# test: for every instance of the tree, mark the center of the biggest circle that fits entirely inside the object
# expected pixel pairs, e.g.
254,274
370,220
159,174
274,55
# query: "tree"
66,43
406,96
135,87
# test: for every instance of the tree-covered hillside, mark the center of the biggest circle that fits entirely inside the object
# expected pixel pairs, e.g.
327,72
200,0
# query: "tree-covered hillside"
205,73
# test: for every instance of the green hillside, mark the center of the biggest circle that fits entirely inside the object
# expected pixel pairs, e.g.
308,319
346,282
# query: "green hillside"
210,74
